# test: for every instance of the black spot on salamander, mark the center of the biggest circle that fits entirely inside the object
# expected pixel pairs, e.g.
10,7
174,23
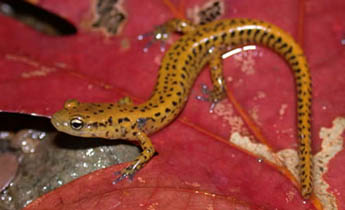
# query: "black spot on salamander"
101,111
126,119
119,120
233,33
263,36
134,133
110,121
278,40
295,63
283,46
157,114
101,124
194,52
293,57
207,42
95,125
163,118
174,103
95,113
87,116
167,110
107,133
288,51
223,36
257,31
179,93
133,125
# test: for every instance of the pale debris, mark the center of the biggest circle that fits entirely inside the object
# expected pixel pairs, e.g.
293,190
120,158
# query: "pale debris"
332,143
246,62
258,149
225,111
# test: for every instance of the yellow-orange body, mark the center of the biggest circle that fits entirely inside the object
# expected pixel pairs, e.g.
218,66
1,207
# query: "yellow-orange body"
200,45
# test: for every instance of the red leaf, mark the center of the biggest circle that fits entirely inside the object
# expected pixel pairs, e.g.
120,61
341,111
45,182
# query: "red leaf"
192,170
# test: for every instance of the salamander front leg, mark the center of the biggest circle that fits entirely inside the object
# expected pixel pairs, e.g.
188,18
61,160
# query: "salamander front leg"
162,32
219,87
139,162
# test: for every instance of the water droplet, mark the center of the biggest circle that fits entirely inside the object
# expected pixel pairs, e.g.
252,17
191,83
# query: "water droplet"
260,160
140,37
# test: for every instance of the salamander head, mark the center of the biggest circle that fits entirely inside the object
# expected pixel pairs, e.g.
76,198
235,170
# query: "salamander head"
84,119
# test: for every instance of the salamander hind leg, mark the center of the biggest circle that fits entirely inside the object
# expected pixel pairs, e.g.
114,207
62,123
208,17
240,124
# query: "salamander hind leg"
139,162
219,87
162,32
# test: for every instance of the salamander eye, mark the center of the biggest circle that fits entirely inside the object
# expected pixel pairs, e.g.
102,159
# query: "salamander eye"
77,123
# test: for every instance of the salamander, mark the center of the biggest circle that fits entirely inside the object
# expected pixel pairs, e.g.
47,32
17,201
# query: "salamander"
199,45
